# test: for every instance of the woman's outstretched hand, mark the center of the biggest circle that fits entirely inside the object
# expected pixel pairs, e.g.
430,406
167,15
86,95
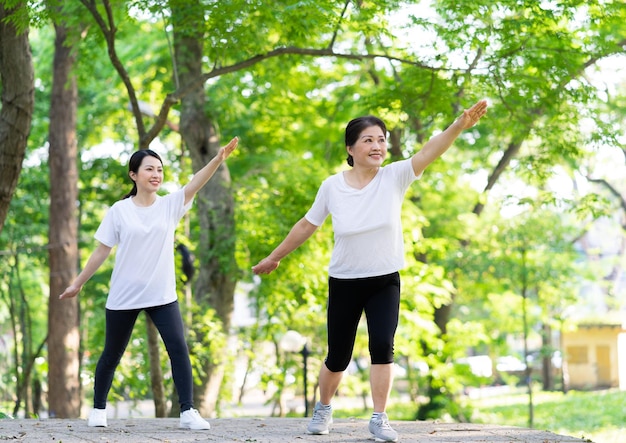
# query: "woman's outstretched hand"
70,291
265,266
471,116
225,151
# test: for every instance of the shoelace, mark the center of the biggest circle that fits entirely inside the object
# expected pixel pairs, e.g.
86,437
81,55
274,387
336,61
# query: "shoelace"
319,416
194,413
383,423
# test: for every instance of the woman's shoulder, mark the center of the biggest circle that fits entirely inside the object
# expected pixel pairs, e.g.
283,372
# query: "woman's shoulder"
120,204
398,164
399,168
328,179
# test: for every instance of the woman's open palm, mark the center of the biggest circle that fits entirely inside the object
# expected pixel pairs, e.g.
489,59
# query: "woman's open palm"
471,116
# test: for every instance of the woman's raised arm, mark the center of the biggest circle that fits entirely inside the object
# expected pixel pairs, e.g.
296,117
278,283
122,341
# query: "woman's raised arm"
436,146
201,177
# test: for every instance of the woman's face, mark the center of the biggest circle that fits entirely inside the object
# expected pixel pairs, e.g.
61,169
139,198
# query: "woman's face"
370,148
149,176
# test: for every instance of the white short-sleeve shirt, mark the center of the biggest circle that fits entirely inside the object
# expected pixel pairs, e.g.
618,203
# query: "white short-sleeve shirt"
366,222
144,271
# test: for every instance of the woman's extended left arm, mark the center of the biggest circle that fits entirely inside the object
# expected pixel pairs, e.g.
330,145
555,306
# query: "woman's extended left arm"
201,177
436,146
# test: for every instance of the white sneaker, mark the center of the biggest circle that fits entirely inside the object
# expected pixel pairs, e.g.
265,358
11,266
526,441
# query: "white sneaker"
191,419
381,429
321,420
98,417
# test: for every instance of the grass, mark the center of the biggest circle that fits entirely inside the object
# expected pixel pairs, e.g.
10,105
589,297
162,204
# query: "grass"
599,416
596,416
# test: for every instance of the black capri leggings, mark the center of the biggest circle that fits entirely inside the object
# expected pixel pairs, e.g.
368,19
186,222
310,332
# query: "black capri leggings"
119,327
379,297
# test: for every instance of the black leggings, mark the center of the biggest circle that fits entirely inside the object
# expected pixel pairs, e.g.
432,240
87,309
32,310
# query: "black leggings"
119,327
379,297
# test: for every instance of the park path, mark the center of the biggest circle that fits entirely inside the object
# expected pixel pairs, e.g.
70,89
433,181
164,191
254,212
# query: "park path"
261,430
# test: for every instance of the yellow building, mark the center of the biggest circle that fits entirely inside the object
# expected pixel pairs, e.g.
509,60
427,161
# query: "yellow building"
595,356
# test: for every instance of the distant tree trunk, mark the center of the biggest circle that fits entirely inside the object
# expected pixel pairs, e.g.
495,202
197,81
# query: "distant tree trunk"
156,372
17,97
215,284
63,319
546,358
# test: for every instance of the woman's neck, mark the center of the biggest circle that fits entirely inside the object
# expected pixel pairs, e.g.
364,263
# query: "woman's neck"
144,199
360,177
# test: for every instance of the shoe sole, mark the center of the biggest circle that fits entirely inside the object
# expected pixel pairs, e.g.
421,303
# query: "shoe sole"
378,439
195,428
324,432
318,433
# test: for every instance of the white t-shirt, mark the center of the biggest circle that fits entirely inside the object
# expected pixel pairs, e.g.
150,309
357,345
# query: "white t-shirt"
144,273
366,222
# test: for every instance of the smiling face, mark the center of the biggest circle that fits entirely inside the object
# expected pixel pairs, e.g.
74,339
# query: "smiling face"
149,175
370,148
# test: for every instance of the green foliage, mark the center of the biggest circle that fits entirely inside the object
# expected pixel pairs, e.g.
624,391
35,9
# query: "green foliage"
23,291
207,340
598,416
293,296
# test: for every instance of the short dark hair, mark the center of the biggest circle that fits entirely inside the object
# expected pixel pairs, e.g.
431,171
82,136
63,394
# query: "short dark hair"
135,162
356,126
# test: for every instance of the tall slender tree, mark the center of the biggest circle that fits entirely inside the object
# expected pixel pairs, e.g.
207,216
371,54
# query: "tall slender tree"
18,98
217,274
63,316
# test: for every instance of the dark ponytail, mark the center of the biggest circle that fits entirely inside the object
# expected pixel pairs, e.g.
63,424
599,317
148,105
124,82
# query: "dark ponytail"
132,191
135,162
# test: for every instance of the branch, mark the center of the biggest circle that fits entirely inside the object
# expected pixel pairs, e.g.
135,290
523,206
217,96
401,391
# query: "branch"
341,17
510,153
514,146
611,189
174,97
109,30
290,50
468,73
160,122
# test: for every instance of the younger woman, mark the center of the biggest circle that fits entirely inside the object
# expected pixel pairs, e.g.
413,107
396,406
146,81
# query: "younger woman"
142,225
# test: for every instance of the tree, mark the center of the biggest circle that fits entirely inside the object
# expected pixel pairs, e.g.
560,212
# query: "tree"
63,315
217,275
18,97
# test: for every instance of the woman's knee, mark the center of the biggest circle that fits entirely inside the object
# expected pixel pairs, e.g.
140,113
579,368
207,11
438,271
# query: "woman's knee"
381,351
110,360
337,364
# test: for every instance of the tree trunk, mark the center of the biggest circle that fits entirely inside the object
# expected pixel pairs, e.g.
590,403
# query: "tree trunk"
18,102
156,373
215,284
546,358
63,319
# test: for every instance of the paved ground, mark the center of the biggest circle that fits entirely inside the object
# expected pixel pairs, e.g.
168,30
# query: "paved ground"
262,430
